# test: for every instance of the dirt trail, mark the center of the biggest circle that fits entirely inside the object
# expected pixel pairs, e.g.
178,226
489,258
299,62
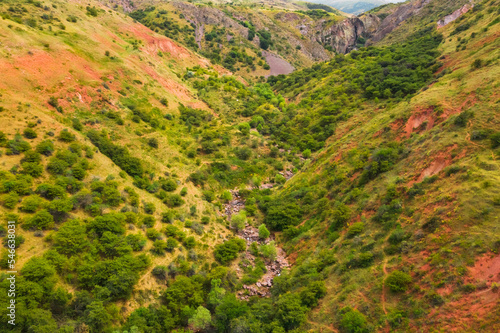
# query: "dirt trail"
323,328
384,294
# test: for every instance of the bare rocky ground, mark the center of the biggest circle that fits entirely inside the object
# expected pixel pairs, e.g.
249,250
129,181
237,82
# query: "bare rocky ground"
278,65
251,234
273,268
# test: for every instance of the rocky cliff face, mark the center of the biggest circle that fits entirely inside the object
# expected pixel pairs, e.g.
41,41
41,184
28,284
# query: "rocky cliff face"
342,37
201,16
394,19
453,16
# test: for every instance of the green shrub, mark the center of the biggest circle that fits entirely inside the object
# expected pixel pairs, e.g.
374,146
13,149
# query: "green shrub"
149,221
57,166
228,251
495,140
34,169
168,217
243,153
169,185
17,146
136,241
312,293
42,220
153,142
66,136
355,229
45,148
29,133
269,251
184,191
159,247
31,204
263,232
153,234
478,63
119,155
160,272
10,200
398,281
238,221
173,200
172,244
353,321
281,215
340,216
462,119
244,129
49,191
92,11
279,179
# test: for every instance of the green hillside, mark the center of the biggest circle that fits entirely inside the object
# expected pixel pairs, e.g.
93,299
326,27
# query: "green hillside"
159,186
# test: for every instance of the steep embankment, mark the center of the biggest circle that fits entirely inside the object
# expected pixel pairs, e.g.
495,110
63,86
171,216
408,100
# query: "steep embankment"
403,195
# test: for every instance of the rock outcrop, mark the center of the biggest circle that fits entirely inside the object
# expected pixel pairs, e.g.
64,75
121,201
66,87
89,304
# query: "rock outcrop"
343,36
453,16
273,267
393,20
200,16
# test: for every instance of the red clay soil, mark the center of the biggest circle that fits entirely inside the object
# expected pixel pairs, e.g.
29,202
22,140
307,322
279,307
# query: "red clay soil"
436,166
486,40
486,268
472,309
417,120
438,163
155,43
44,70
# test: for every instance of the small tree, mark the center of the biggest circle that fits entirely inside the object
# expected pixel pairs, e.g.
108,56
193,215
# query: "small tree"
353,321
153,142
279,179
269,251
398,281
226,196
29,133
263,232
238,221
41,220
244,128
201,319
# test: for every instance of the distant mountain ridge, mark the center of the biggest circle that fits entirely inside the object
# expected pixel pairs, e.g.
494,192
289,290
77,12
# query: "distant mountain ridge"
355,7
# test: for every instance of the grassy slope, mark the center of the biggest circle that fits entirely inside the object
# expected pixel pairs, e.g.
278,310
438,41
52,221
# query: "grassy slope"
71,65
465,246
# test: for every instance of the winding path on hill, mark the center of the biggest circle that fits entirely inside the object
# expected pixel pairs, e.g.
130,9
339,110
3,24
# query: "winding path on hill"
384,293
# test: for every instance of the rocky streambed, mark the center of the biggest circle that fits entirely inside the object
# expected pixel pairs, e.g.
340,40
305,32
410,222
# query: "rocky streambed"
273,268
250,234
